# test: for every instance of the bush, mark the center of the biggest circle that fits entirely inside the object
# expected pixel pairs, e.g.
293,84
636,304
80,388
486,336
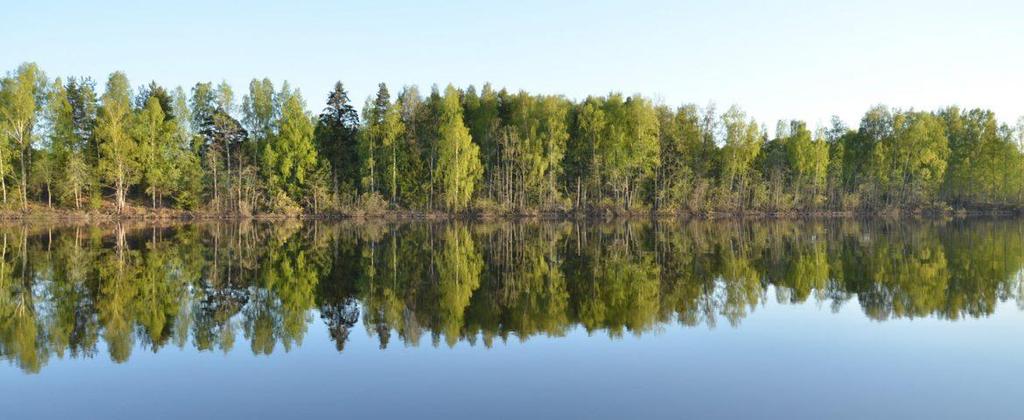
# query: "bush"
281,203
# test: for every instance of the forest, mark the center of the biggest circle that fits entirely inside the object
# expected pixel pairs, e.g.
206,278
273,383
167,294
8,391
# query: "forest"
71,145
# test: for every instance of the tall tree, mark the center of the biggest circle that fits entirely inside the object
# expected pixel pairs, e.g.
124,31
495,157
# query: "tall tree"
222,134
413,150
65,145
911,163
808,161
21,97
371,139
163,97
202,104
483,121
380,143
553,136
742,143
85,108
258,111
156,146
458,158
336,137
291,156
118,150
585,163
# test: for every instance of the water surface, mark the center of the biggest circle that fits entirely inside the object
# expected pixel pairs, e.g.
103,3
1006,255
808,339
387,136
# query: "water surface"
837,319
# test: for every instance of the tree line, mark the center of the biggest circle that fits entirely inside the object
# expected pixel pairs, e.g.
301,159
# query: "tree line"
65,144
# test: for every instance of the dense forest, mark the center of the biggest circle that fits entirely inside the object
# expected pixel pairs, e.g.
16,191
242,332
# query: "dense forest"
66,145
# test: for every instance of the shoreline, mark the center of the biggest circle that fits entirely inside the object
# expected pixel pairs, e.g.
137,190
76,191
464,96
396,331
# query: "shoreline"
45,215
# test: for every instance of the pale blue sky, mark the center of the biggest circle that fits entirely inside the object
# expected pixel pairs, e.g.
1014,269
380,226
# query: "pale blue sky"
785,59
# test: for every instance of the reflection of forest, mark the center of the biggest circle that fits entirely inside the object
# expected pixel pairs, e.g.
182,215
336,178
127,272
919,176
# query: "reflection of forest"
64,291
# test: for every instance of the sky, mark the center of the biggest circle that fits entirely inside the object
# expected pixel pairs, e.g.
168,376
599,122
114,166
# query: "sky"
804,60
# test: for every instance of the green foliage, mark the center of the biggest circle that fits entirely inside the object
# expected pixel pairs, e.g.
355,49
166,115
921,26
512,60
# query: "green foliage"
984,163
380,145
458,158
491,150
259,110
119,164
290,156
21,96
154,136
618,148
336,139
909,164
742,144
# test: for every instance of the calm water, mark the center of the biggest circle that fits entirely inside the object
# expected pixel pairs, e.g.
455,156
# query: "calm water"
830,319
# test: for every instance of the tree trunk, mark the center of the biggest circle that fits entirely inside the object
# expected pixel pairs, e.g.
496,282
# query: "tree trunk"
3,178
394,175
119,189
216,204
24,183
239,186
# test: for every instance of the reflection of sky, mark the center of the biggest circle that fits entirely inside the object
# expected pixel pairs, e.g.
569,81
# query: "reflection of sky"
782,361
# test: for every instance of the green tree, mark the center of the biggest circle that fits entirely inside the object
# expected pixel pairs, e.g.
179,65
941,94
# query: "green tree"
21,95
634,151
63,141
380,143
808,161
81,93
370,138
983,166
44,173
458,158
585,164
222,135
336,136
910,164
119,163
414,152
258,110
482,118
742,143
156,149
552,133
290,156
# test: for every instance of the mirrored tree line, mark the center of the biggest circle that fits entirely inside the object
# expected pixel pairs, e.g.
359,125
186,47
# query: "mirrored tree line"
89,290
72,144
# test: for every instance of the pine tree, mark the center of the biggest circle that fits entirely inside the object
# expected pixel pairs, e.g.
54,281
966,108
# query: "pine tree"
336,138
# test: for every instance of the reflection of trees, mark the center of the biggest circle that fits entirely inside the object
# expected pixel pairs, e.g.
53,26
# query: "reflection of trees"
458,276
73,323
21,337
280,306
335,295
63,292
615,285
523,289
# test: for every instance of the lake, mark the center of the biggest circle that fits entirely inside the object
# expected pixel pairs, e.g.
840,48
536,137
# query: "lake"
850,318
